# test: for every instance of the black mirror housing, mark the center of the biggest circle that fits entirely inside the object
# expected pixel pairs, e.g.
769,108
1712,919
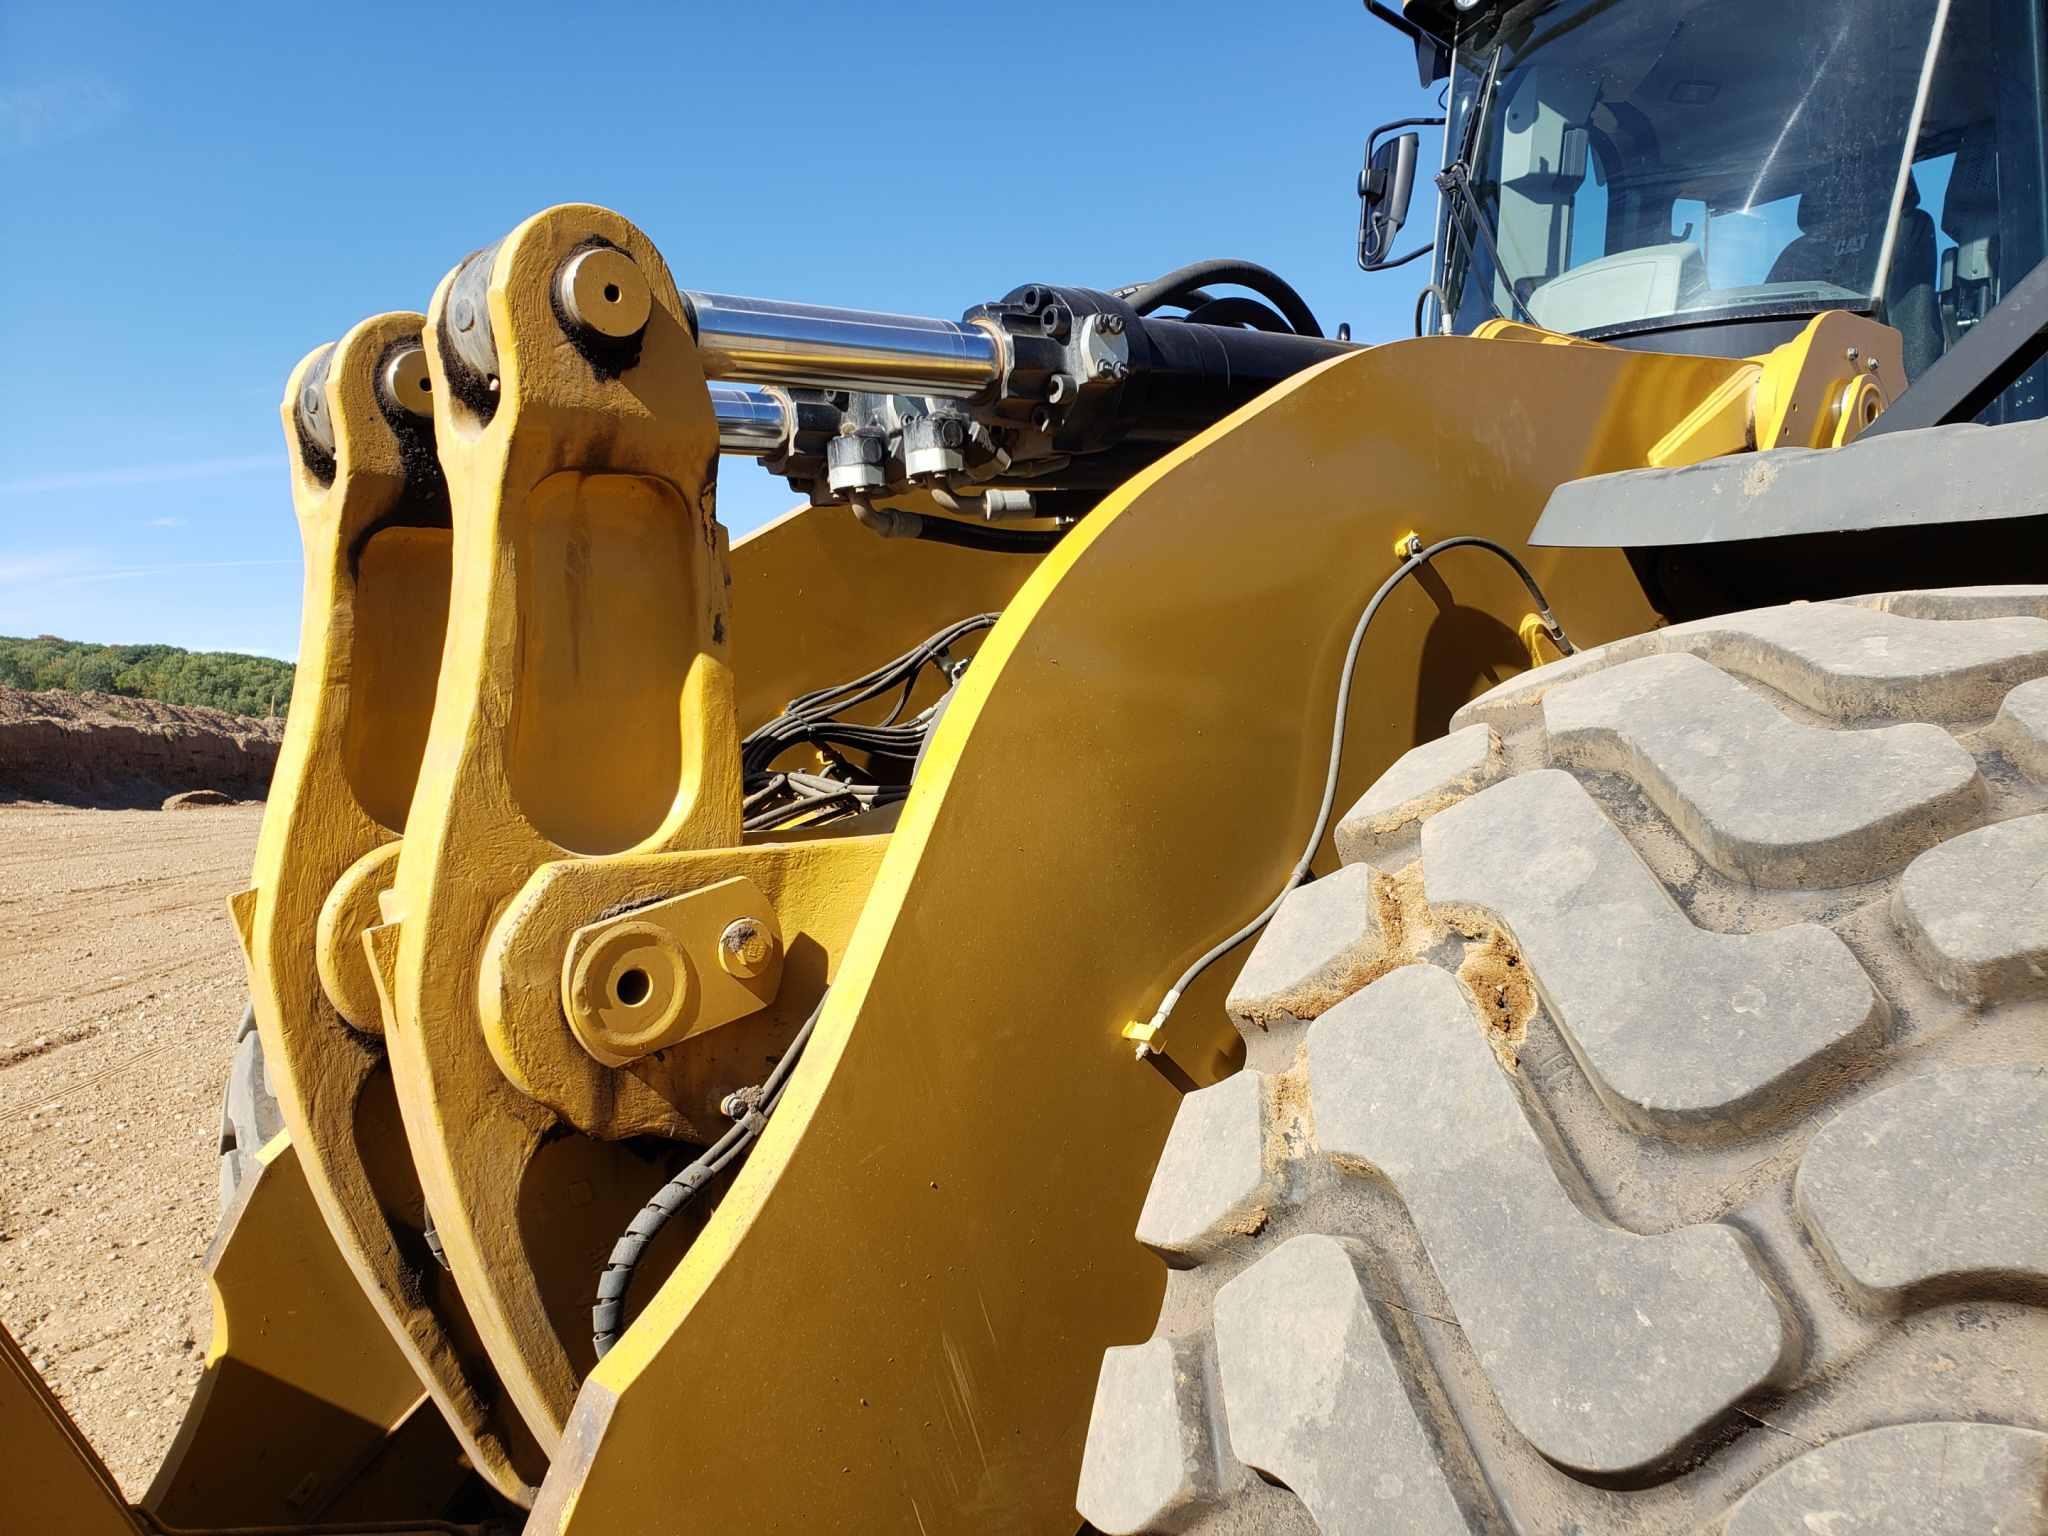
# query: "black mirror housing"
1384,189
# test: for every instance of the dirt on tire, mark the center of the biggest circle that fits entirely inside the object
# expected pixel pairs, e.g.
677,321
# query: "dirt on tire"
118,1005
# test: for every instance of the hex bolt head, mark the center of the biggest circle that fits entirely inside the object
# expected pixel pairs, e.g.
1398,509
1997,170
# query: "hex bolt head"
745,948
1113,325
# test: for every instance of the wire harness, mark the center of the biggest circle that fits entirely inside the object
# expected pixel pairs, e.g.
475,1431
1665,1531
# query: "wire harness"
783,797
608,1313
1147,1033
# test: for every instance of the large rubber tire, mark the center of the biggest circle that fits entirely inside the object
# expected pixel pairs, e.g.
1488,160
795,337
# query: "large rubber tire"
249,1115
1647,1128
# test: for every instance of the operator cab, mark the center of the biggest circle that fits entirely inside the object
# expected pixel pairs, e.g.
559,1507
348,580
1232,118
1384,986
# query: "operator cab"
1706,175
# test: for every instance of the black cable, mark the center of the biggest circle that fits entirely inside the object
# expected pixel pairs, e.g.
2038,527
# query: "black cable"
1407,568
1402,261
1263,281
1443,301
607,1315
1237,310
803,717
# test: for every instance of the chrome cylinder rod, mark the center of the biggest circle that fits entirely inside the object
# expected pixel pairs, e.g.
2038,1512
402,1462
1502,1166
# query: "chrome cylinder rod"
762,341
753,422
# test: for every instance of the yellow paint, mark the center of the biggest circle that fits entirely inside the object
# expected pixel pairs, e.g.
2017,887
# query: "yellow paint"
1806,382
1721,423
302,1387
894,1317
1537,640
914,1277
813,890
649,979
55,1480
375,604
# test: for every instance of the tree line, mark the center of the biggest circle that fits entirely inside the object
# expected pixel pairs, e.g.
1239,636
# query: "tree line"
259,686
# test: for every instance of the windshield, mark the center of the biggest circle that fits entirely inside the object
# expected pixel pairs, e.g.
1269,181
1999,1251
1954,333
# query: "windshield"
1638,161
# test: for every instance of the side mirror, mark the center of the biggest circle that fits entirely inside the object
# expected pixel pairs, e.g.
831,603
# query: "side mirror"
1384,188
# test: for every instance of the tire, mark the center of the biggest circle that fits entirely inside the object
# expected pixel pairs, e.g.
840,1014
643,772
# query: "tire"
249,1115
1646,1129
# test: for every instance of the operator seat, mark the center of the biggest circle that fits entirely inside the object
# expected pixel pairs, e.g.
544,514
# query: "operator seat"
1840,221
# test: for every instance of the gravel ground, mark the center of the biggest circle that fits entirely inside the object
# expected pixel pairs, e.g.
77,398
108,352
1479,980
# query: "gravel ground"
119,994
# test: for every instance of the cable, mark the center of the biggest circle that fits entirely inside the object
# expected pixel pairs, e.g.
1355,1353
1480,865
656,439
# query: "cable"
814,716
1263,281
1402,261
1406,569
607,1315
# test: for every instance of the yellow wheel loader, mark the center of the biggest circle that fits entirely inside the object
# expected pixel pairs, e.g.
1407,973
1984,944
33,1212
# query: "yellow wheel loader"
1225,930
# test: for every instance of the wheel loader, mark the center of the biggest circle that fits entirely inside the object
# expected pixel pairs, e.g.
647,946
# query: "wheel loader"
1226,929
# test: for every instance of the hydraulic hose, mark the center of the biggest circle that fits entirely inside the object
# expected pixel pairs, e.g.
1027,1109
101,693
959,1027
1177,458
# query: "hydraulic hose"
607,1315
1407,568
1237,310
1263,281
894,523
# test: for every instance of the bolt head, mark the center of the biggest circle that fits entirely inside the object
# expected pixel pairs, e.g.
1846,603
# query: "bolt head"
745,948
463,313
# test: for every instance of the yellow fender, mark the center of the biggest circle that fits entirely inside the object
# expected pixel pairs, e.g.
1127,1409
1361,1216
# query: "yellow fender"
894,1320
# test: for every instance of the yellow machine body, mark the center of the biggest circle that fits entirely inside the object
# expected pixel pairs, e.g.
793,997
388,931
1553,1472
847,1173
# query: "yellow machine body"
891,1319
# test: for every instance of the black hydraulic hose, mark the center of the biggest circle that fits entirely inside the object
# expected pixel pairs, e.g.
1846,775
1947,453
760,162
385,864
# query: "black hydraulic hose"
607,1316
1402,572
1235,310
1263,281
1443,303
1001,541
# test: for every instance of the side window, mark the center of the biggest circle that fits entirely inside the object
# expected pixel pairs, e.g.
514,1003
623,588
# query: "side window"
1688,219
1744,244
1589,214
1930,179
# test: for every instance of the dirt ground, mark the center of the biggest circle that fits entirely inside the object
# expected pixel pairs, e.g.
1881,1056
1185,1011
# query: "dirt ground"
120,988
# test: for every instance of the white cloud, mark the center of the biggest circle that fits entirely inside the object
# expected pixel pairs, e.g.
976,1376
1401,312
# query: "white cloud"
51,565
166,522
77,567
36,116
126,572
138,474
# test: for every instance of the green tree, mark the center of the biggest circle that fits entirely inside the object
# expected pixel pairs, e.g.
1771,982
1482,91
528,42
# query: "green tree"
229,680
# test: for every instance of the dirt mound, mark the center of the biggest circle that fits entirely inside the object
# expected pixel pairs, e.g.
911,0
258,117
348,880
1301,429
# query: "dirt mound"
106,749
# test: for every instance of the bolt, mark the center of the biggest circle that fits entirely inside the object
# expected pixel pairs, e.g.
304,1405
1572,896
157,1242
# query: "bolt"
1854,354
745,948
1042,419
1871,364
1112,325
464,314
1106,368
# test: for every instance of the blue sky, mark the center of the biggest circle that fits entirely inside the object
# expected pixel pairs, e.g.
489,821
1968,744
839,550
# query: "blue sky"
192,197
